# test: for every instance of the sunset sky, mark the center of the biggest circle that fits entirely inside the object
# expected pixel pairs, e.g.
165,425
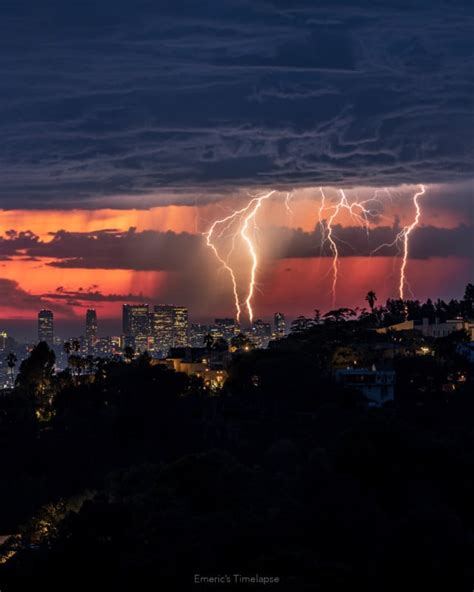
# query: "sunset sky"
127,129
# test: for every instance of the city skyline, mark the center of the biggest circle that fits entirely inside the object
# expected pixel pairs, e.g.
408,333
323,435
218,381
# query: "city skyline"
237,294
111,184
293,274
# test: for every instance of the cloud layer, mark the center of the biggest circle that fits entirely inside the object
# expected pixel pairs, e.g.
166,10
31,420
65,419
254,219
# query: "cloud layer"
169,251
109,101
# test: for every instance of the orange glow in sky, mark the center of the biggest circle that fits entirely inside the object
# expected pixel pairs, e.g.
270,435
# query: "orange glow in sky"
292,285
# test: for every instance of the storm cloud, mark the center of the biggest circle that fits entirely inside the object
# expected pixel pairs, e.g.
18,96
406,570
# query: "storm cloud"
112,102
169,251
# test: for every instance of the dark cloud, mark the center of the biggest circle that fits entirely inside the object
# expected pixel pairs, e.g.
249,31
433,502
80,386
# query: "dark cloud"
81,297
109,249
351,241
15,242
182,252
103,99
15,297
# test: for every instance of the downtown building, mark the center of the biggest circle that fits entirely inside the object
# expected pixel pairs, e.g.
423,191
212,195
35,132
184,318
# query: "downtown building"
226,328
136,326
46,327
169,327
279,323
91,328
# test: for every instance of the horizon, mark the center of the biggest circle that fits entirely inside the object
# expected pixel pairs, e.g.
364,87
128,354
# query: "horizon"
26,330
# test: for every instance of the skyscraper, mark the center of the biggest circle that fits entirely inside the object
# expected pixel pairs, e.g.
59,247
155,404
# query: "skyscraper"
46,326
280,324
180,326
91,327
136,325
169,327
227,327
162,320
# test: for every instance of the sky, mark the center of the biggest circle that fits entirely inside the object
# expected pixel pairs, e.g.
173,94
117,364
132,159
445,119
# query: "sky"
127,129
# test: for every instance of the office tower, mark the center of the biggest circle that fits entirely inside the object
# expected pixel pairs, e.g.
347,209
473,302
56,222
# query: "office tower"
46,326
91,327
228,328
162,322
280,324
180,326
169,327
136,325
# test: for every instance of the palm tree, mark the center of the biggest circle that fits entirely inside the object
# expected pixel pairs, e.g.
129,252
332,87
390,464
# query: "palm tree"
11,363
371,298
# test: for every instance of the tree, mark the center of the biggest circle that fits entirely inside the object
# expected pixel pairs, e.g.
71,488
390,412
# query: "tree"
37,371
469,293
371,298
11,363
220,345
301,324
129,352
340,314
144,360
241,342
90,363
468,300
208,341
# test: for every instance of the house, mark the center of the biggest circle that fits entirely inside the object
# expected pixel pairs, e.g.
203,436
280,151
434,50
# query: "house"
378,386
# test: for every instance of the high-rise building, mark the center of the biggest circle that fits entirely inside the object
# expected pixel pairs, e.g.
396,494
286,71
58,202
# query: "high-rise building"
228,328
136,325
169,327
280,324
46,326
162,321
91,327
180,326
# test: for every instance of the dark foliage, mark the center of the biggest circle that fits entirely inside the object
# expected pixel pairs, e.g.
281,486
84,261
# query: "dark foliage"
141,472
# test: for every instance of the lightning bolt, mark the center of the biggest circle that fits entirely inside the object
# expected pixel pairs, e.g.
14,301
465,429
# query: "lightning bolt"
208,235
406,237
239,223
241,220
358,211
403,240
288,198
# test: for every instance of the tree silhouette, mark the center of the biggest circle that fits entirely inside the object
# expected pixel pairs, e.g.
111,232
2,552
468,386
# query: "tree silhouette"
371,298
37,371
129,352
208,341
220,344
241,342
301,324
